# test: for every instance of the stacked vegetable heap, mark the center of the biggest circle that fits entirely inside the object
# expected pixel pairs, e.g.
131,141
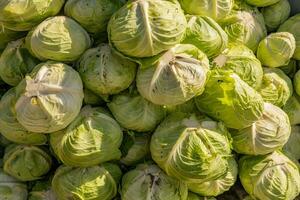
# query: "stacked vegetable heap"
149,100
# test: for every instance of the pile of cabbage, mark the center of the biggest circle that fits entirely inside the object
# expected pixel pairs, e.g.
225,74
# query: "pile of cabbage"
149,100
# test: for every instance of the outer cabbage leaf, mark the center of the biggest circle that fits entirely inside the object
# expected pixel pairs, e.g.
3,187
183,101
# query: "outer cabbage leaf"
292,108
292,147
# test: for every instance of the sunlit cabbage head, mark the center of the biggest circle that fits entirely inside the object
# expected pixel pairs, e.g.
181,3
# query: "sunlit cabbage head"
292,109
42,191
292,147
26,163
292,25
93,15
243,62
264,136
178,75
135,148
272,176
296,82
229,99
11,188
191,148
276,49
290,69
216,9
23,15
206,34
97,182
92,138
262,3
134,112
104,72
145,28
68,40
245,27
10,128
16,62
276,87
49,98
7,35
193,196
276,14
148,180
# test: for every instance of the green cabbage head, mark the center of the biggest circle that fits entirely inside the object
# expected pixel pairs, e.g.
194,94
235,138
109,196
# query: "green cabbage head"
193,196
292,109
290,69
7,35
148,181
292,147
16,62
134,112
145,28
42,191
273,176
10,128
276,49
177,76
264,136
49,98
97,182
191,148
135,148
93,15
26,163
229,99
58,38
217,186
276,14
243,62
206,34
11,188
296,82
23,15
292,25
104,72
216,9
276,87
262,3
92,138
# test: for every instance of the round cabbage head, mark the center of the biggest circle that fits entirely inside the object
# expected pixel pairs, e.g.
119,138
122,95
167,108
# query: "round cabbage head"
42,191
104,72
216,9
271,176
217,186
243,62
26,163
16,62
191,148
292,147
92,138
145,28
10,128
177,76
49,98
134,112
276,14
93,15
292,109
292,25
290,69
7,35
148,180
58,38
135,148
276,49
276,87
245,27
97,182
11,188
261,3
23,15
229,99
206,34
264,136
296,82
